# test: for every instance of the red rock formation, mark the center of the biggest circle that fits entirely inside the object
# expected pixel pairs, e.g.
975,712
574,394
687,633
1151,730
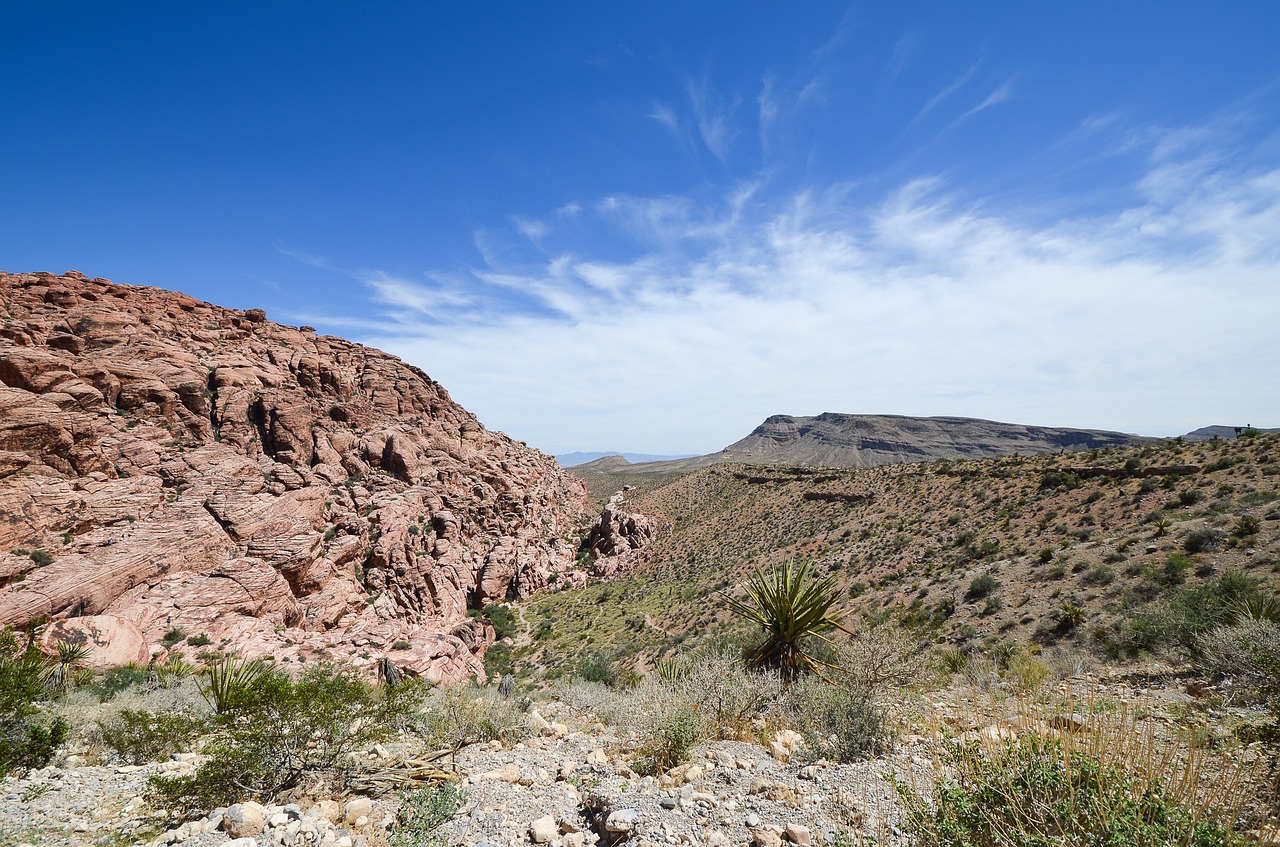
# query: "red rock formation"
288,494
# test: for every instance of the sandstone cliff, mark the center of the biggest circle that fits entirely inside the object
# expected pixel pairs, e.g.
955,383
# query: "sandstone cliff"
191,467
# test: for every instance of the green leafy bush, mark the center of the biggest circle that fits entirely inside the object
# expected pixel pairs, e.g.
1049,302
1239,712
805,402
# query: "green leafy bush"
421,813
982,586
140,736
172,637
272,734
26,739
1035,793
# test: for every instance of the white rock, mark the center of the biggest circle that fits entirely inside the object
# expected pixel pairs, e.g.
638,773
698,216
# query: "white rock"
621,820
356,809
243,820
543,830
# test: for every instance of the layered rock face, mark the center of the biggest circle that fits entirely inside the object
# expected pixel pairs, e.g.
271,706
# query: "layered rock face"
284,493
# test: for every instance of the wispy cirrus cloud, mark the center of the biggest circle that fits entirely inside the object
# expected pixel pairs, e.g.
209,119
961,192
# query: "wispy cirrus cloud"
948,91
917,301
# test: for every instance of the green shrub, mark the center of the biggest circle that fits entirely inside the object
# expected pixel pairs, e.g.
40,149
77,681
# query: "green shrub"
1100,574
422,812
1200,540
141,736
1035,793
172,637
26,739
982,586
668,740
839,722
1179,618
41,558
1246,525
201,640
270,737
1172,572
119,679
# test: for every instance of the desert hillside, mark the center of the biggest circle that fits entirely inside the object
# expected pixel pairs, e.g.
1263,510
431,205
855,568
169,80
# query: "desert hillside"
170,469
1081,551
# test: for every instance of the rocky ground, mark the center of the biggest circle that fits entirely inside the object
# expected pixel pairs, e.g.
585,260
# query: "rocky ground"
572,791
572,783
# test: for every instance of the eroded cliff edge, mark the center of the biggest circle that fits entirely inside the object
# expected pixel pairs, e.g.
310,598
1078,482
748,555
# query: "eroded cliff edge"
191,467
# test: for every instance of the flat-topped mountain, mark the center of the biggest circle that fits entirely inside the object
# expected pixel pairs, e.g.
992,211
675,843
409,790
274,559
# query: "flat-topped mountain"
854,441
835,440
170,468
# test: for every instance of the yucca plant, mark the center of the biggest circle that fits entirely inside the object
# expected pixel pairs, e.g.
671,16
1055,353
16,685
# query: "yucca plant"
228,681
790,605
60,670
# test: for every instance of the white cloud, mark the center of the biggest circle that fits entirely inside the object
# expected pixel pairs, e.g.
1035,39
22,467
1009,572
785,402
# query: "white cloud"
948,90
1157,317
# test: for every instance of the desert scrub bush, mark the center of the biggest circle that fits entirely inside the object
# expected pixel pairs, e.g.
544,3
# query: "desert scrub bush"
667,737
117,680
982,586
467,714
280,730
1183,614
28,738
139,736
727,695
839,720
1201,540
505,623
1038,792
422,811
1244,652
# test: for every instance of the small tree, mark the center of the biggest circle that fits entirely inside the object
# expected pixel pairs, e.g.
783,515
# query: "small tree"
790,605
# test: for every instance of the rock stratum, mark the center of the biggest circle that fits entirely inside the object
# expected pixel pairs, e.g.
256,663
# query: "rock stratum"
167,464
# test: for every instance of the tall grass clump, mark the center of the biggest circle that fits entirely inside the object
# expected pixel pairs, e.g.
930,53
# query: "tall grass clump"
1078,774
1037,791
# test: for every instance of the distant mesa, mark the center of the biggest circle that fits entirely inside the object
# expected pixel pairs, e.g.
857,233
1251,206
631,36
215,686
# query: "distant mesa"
1208,433
837,440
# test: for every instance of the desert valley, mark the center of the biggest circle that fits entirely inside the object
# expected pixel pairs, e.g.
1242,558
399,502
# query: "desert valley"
261,586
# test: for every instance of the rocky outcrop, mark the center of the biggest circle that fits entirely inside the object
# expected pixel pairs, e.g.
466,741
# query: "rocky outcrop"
618,539
181,466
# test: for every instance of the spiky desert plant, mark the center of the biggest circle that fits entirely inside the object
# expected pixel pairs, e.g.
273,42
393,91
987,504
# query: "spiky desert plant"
790,605
228,680
70,657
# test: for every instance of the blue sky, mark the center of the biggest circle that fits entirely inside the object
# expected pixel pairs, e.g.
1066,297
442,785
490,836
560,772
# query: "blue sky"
649,226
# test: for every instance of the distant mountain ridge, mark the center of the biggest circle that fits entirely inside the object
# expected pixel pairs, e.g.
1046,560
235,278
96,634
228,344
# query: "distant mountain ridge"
569,460
1208,433
838,440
